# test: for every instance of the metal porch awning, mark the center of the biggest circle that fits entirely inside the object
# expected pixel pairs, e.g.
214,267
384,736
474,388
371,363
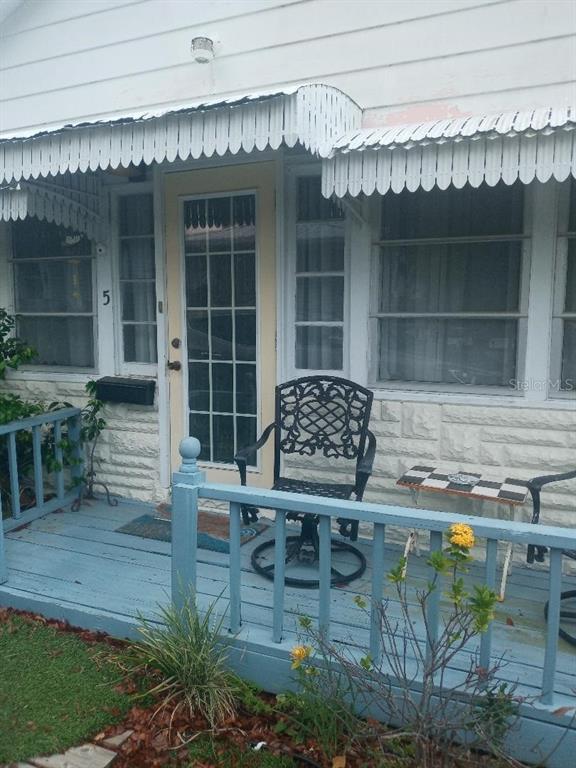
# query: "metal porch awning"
535,144
313,114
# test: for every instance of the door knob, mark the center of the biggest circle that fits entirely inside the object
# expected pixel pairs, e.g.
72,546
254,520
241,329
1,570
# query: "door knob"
175,365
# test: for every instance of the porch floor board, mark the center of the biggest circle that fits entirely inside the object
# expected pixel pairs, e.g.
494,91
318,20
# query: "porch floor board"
77,566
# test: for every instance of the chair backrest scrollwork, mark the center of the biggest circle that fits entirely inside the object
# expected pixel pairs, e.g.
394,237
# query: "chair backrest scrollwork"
322,414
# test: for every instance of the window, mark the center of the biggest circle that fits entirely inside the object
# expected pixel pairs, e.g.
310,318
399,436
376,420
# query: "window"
53,293
137,278
564,323
448,305
319,279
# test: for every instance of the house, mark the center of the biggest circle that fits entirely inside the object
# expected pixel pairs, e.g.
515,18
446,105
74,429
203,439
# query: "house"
220,196
217,197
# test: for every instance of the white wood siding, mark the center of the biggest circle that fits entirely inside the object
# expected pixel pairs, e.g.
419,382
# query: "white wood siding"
403,61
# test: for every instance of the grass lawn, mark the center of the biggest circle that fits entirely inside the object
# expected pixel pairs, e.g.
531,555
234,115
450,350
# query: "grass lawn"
54,692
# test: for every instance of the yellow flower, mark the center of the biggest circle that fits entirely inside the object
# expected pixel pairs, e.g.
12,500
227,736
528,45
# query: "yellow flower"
461,535
299,654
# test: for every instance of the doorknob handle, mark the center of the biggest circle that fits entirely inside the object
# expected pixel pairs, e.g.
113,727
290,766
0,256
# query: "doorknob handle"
175,365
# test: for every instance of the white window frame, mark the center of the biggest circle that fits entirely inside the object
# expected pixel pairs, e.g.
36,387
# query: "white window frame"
521,315
121,366
57,372
564,236
293,171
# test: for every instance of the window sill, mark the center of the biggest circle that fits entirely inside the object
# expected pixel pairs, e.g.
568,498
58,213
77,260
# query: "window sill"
77,377
460,398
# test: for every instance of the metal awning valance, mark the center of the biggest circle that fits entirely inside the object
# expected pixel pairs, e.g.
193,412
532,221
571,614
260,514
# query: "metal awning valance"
313,115
74,201
535,144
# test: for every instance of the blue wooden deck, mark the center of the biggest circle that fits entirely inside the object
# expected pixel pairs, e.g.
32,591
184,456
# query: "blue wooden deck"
77,566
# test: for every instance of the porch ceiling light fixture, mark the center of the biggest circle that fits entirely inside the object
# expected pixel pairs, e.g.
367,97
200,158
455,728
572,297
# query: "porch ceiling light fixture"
202,49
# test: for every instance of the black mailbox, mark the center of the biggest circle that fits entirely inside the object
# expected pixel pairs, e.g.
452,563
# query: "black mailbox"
114,389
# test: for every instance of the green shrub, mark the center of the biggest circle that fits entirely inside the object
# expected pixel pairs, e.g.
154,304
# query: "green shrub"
183,663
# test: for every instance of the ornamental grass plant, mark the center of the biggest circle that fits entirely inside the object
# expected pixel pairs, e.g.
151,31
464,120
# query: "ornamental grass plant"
182,662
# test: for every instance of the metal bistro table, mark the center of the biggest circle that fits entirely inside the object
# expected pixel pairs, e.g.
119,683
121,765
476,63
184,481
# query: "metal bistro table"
511,492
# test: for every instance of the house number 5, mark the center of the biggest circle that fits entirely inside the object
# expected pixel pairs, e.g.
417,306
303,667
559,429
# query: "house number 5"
106,297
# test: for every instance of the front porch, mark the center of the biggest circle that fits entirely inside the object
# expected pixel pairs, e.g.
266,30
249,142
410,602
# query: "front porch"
77,566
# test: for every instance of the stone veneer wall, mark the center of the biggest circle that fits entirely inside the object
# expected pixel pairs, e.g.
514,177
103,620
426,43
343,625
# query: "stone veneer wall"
128,449
496,440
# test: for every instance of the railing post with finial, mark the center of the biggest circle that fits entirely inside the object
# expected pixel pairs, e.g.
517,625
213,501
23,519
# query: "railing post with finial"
185,485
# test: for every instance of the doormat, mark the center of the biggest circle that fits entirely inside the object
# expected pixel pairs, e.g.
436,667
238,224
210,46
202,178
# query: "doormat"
213,530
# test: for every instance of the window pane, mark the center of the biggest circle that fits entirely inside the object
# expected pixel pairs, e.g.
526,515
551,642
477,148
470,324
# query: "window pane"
320,247
140,343
199,386
138,302
136,215
137,259
54,286
244,223
196,281
200,429
35,239
570,303
454,351
312,205
572,217
246,434
195,233
245,335
319,347
453,212
220,280
246,389
221,335
223,387
219,224
223,438
320,298
465,277
65,341
569,356
244,280
198,335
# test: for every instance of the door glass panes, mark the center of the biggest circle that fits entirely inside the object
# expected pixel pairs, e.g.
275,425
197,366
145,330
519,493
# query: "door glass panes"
319,336
220,256
137,278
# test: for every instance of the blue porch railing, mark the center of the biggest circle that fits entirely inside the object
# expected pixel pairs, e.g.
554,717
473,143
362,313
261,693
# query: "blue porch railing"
63,422
190,486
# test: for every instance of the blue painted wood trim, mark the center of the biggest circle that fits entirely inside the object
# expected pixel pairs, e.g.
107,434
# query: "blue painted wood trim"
552,627
433,607
421,519
325,575
37,421
13,470
184,543
490,578
279,573
29,515
235,569
38,469
59,458
378,541
3,565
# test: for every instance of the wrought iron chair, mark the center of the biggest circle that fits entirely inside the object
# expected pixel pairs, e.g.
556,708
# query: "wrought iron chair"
536,553
328,416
